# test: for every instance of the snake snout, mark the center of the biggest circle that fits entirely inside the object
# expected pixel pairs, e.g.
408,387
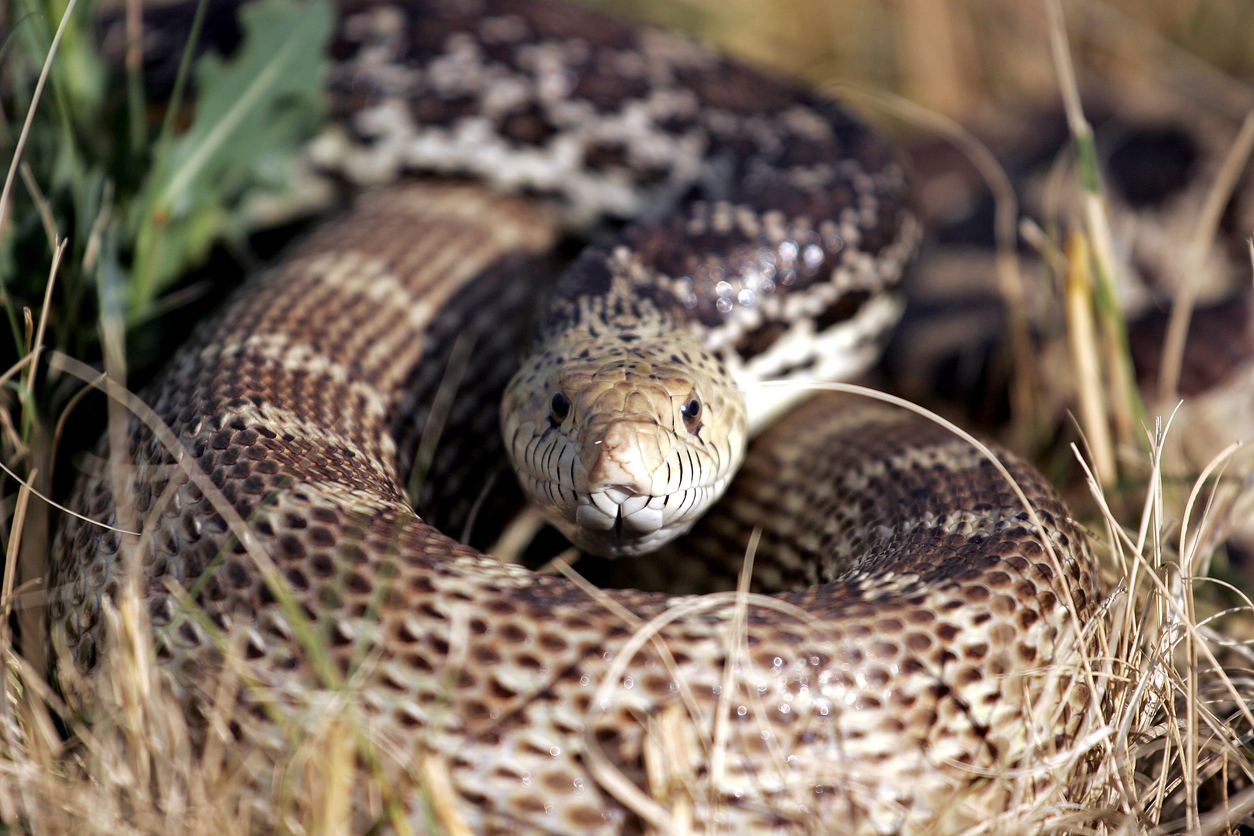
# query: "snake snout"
622,464
626,456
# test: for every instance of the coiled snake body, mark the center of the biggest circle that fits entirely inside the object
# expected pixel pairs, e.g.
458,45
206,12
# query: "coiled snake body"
915,662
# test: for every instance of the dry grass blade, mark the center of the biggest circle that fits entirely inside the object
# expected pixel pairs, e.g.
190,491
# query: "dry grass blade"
29,486
669,750
674,746
1097,224
1082,337
610,778
443,798
514,538
1221,819
735,660
6,604
41,205
1189,552
1195,254
26,366
1025,386
438,412
688,700
1124,402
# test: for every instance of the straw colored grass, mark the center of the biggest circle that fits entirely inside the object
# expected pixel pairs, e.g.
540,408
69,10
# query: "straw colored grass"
1168,745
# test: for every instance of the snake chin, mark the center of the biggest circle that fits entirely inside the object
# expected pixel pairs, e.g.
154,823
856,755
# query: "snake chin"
617,522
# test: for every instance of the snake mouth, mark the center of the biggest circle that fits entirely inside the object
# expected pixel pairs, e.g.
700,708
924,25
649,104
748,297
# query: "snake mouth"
619,522
623,510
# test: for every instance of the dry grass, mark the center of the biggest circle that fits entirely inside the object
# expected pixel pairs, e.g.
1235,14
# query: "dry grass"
1167,744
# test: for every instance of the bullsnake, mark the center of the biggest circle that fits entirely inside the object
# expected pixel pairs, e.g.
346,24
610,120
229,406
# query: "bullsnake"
926,614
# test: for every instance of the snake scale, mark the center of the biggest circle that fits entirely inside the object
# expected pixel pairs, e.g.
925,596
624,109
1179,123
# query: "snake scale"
918,613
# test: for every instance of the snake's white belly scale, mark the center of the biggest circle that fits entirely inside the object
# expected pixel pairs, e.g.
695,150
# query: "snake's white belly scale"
913,655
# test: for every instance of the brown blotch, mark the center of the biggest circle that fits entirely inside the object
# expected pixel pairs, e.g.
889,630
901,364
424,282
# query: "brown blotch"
512,633
552,642
968,676
918,642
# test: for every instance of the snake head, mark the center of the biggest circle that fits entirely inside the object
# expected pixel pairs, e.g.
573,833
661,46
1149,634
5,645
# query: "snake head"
623,444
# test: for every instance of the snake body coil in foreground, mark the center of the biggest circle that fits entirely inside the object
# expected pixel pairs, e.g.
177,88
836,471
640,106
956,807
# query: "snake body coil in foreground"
923,656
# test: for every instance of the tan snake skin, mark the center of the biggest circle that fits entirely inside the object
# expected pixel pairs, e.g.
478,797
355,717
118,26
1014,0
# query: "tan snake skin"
913,658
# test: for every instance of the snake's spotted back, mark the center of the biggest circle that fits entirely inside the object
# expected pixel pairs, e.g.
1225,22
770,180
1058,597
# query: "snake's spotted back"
876,699
767,212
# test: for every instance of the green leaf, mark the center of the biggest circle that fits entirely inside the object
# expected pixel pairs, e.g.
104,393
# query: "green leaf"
260,106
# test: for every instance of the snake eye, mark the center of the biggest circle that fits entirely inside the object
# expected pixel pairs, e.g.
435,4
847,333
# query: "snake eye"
560,408
691,413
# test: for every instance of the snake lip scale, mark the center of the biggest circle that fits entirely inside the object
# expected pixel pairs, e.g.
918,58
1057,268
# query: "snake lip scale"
923,633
